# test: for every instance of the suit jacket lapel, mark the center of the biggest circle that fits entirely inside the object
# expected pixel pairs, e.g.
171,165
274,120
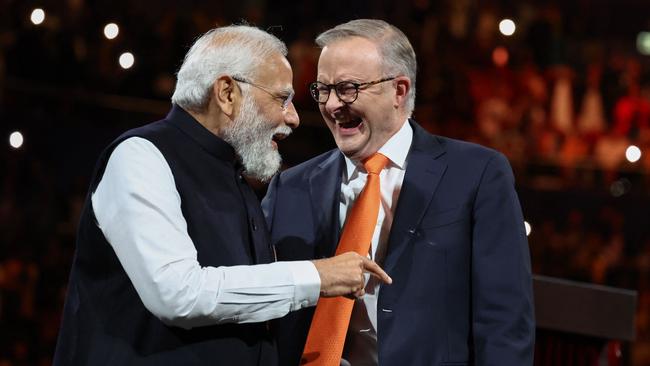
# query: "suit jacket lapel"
324,189
423,173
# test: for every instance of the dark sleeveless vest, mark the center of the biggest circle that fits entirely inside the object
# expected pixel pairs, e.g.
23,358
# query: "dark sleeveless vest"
104,320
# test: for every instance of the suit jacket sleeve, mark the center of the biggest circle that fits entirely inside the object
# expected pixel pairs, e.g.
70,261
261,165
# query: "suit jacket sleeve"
502,306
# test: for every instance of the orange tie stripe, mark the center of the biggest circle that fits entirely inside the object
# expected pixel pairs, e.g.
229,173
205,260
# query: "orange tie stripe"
329,326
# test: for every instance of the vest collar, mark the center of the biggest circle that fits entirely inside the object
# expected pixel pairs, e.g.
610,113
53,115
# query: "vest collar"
213,144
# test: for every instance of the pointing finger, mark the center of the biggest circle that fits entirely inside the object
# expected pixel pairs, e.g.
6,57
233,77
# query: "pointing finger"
374,269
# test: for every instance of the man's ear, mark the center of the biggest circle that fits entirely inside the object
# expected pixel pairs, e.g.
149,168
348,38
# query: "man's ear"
226,94
402,87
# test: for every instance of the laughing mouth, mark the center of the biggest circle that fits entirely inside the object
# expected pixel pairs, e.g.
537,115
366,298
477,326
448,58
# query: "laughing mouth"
279,137
354,123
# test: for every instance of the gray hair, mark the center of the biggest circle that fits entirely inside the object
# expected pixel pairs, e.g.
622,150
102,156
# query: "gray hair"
236,50
397,54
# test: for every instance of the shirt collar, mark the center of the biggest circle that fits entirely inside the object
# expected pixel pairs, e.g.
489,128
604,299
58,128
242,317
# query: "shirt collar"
395,149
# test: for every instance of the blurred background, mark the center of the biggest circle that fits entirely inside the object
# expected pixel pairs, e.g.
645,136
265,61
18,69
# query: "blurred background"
561,87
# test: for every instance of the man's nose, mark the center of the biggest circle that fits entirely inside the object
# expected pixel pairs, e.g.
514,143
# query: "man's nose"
291,117
333,102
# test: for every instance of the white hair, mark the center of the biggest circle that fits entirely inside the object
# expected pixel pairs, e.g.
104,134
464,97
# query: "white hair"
398,56
251,136
236,50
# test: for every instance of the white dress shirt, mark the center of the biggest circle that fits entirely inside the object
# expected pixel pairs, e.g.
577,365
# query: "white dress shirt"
361,340
138,209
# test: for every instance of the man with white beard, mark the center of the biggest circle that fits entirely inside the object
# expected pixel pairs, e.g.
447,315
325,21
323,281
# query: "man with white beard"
173,264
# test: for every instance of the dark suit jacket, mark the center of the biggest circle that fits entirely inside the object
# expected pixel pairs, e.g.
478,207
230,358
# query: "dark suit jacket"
457,253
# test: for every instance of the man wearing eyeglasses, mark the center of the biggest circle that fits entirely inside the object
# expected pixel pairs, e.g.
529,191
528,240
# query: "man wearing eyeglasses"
449,229
173,261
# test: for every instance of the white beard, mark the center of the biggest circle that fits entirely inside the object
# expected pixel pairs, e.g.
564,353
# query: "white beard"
250,135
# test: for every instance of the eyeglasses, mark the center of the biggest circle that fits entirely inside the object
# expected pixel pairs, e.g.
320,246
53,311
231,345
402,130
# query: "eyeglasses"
286,99
347,91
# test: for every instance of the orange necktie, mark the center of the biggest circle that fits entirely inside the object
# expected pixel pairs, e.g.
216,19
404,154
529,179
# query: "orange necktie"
329,326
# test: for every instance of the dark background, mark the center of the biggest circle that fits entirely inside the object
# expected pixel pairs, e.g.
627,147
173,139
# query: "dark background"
572,95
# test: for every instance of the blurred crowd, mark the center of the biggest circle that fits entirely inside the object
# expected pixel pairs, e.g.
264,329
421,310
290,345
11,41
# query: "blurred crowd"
563,98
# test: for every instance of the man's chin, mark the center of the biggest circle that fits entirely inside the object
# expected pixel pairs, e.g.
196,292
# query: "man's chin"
263,167
263,177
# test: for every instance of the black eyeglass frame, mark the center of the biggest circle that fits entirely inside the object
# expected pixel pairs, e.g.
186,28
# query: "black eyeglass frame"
315,92
286,101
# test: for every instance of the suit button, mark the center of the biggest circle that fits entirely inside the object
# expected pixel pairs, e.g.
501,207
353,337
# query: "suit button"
253,225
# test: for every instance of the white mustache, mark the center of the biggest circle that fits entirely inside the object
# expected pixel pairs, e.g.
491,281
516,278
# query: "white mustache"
284,130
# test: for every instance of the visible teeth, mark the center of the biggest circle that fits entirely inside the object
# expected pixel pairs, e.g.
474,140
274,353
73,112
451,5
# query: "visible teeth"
351,123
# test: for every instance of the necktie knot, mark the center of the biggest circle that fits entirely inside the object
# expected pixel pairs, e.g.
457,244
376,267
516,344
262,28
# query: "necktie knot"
375,163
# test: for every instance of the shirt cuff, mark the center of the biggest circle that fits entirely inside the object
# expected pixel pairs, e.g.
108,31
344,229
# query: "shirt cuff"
307,284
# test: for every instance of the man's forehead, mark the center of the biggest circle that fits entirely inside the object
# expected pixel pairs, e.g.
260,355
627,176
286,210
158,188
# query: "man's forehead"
352,46
276,72
349,59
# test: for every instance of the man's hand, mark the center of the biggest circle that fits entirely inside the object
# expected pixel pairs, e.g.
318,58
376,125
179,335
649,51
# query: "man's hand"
343,275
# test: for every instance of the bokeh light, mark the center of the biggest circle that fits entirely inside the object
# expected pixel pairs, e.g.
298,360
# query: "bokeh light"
38,16
111,30
16,139
633,154
500,56
528,228
643,43
620,187
507,27
127,60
